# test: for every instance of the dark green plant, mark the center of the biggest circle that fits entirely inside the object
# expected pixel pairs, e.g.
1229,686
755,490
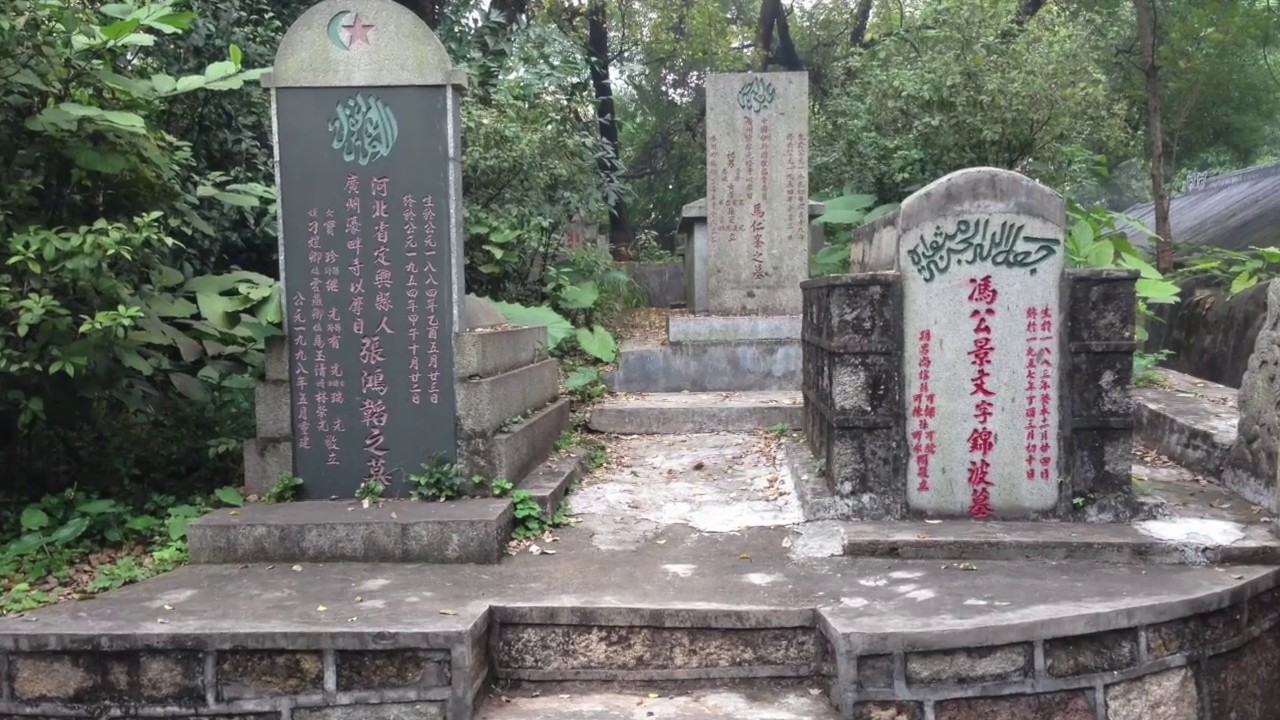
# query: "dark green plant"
439,481
841,216
284,490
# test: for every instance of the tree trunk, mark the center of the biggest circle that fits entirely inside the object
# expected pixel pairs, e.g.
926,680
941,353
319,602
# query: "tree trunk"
510,10
861,18
609,164
1027,9
774,17
1146,13
428,10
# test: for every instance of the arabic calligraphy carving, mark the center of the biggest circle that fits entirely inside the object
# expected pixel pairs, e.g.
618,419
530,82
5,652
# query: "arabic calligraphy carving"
757,95
977,241
364,129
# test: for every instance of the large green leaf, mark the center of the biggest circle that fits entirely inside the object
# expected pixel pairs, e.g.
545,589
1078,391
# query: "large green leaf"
581,378
557,327
582,296
598,343
842,217
850,202
225,281
33,518
73,529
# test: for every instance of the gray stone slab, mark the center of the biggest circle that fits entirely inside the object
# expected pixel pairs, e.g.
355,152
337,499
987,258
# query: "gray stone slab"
981,258
755,703
460,531
271,409
1192,422
510,455
679,413
711,328
757,192
1171,542
663,283
277,359
488,353
487,404
762,365
265,462
479,313
548,483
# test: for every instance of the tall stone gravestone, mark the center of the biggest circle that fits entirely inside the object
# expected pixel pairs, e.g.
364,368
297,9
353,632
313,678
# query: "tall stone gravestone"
981,258
366,122
757,192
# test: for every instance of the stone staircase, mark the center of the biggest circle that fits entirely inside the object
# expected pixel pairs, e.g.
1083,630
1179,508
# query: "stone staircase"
712,374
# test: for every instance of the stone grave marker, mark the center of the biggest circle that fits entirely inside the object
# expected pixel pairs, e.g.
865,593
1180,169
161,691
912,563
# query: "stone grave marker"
981,258
366,122
757,192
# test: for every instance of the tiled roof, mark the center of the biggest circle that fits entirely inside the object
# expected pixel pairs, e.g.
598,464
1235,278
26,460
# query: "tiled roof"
1235,211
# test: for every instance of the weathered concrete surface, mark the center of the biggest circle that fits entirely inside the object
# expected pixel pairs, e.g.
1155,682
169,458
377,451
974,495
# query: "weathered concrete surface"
485,405
1212,336
512,454
707,367
712,328
682,413
271,409
1192,422
485,353
464,531
1172,541
1253,467
1170,695
663,283
711,483
798,704
265,462
480,313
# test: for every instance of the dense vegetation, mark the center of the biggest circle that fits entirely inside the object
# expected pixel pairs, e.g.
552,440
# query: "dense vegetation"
137,231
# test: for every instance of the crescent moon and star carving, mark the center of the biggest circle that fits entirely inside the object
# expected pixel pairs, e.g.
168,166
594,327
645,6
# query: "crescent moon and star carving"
348,29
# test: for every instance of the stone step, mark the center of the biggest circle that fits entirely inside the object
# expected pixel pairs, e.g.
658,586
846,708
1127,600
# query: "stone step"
805,702
512,454
1168,541
1190,421
677,413
471,530
740,366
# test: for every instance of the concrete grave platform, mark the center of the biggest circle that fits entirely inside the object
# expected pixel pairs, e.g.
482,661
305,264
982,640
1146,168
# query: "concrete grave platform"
722,611
691,575
651,367
470,530
703,412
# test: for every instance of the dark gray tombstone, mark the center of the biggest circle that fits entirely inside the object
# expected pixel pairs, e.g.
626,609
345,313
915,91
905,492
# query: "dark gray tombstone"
366,122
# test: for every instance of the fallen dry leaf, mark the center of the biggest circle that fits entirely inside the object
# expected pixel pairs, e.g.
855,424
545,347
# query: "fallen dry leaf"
934,522
448,612
967,566
296,568
744,556
168,607
321,608
786,541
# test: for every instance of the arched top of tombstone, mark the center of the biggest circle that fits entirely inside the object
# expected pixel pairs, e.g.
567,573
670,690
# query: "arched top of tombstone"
1004,190
353,43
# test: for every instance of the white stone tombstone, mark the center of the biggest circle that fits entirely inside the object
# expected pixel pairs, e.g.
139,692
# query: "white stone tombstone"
757,192
981,257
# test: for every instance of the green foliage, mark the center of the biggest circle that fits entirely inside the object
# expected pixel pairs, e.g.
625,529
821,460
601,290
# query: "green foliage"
72,543
284,490
229,496
598,343
531,521
566,441
1145,364
949,85
370,491
843,214
1235,270
500,487
439,481
558,329
585,384
1096,240
116,330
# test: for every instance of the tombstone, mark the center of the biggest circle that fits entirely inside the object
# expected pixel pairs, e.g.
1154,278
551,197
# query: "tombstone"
757,200
964,372
365,105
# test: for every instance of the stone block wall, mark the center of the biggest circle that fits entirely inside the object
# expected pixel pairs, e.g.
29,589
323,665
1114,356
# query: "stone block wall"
1210,335
853,385
1203,666
1252,467
240,683
663,282
852,379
